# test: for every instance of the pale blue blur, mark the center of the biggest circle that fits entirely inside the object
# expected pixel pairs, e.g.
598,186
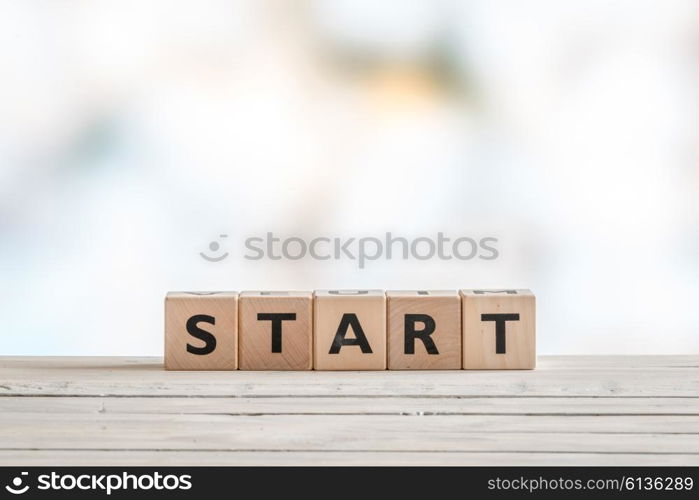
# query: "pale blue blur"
134,133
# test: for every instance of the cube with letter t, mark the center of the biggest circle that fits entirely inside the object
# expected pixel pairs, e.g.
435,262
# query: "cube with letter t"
349,330
499,329
201,331
276,330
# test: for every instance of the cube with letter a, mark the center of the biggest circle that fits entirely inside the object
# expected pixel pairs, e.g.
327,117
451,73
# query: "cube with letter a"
349,330
201,331
424,330
499,329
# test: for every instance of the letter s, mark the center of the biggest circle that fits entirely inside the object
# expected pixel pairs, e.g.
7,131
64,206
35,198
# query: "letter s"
196,332
260,252
44,483
494,254
185,483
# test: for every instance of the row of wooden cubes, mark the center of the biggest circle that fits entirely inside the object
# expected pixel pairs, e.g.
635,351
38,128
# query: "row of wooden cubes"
351,330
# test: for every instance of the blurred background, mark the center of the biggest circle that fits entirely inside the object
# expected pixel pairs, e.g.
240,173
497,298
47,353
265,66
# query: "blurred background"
133,134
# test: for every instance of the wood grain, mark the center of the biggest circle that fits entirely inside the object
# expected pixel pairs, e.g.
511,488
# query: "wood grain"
329,457
348,405
330,309
556,376
444,308
512,433
577,410
218,317
255,336
481,347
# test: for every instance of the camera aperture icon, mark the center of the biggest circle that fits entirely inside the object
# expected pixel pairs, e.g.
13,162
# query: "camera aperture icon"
16,487
214,247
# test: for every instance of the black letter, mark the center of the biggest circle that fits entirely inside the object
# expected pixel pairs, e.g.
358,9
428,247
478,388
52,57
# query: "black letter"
276,319
411,333
350,319
500,320
197,332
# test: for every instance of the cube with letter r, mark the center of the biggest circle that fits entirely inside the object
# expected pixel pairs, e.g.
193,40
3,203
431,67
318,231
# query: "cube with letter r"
424,329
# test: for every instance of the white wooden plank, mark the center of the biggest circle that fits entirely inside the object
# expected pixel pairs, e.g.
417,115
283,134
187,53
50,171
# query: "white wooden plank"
357,405
639,362
571,410
141,377
514,433
305,458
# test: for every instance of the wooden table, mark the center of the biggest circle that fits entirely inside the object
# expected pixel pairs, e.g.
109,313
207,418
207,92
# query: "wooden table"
571,410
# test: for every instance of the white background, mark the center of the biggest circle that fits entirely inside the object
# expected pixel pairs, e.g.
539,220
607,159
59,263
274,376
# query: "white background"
134,133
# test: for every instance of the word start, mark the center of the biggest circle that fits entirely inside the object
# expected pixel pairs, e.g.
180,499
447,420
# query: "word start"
474,329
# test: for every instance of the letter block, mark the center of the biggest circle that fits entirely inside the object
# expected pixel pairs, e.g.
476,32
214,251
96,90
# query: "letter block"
276,330
424,330
201,331
349,330
499,329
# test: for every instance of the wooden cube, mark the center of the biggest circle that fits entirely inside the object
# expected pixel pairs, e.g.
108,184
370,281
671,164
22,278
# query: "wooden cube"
201,331
349,330
499,329
276,330
424,330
